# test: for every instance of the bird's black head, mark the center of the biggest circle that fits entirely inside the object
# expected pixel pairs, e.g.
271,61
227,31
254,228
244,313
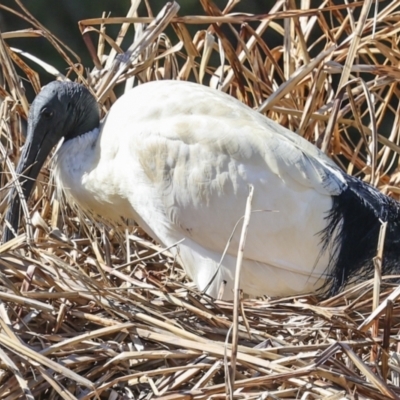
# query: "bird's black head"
61,110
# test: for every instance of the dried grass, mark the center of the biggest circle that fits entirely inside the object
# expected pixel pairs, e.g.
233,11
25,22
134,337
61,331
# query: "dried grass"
90,313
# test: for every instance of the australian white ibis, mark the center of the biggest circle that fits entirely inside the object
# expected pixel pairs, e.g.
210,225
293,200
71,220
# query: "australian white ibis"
179,157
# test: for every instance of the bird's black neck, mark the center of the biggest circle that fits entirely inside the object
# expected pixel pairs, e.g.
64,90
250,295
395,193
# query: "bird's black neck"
86,116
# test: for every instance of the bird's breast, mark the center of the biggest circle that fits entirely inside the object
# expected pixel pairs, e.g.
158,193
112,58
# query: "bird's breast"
84,174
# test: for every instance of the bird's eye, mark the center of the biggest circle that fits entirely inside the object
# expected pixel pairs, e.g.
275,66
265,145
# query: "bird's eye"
48,114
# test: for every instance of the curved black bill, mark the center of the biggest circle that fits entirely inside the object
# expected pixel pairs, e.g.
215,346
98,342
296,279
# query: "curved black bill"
33,156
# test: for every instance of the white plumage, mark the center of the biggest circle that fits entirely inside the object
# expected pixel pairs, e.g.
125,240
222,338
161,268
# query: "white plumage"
179,158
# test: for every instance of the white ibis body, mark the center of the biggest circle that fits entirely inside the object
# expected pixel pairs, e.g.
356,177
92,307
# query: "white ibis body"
178,158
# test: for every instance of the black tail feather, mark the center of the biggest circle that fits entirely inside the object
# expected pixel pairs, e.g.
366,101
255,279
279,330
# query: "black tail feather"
351,236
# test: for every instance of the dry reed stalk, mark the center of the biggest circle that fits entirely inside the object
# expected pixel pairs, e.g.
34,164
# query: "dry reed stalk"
236,291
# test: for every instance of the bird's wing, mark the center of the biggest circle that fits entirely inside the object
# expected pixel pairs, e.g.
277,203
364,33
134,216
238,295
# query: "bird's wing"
199,151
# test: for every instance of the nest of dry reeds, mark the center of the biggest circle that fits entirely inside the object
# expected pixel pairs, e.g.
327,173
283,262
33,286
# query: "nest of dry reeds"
89,313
